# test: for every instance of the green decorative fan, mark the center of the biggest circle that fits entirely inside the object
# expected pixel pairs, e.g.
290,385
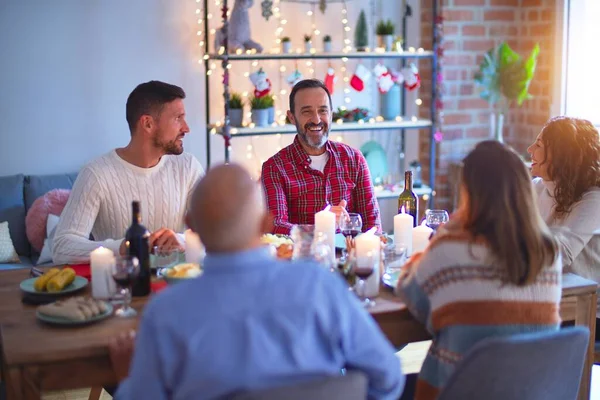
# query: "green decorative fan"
376,160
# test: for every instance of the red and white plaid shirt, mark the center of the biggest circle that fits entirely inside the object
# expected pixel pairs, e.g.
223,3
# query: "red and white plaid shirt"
295,192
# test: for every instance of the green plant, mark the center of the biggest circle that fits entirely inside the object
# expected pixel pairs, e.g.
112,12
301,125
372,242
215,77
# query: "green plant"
269,101
235,101
307,38
504,76
261,103
327,38
285,39
361,39
385,28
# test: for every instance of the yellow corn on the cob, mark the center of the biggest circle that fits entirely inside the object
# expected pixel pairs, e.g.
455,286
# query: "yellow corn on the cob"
61,281
41,282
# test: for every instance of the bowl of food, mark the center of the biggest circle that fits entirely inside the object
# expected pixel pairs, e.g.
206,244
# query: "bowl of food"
181,272
282,245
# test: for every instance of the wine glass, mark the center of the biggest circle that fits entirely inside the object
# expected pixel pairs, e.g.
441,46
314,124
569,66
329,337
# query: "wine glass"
351,224
435,218
320,251
124,272
364,268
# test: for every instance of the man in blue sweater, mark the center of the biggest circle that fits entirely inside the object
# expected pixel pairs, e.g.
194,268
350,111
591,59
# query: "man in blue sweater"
250,321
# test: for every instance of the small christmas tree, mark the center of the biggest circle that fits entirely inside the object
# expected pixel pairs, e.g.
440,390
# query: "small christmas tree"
361,39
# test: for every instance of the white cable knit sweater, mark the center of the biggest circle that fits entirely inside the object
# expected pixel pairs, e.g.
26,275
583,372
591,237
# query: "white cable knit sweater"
578,233
100,202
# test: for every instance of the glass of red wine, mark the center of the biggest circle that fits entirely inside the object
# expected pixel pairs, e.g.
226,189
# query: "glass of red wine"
124,272
351,224
363,269
436,218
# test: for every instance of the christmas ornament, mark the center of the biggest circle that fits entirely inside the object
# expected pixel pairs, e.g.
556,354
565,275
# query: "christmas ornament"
412,79
330,79
262,84
294,78
385,79
323,6
360,77
267,9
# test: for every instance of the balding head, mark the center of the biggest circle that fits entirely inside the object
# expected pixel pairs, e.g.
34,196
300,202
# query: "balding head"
228,210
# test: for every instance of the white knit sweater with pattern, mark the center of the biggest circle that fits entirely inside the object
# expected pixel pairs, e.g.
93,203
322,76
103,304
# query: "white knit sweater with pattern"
100,202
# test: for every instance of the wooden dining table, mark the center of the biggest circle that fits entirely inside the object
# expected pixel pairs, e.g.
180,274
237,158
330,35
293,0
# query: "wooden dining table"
38,357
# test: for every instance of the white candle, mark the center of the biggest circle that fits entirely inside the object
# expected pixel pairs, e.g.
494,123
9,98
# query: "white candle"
368,254
420,237
403,226
194,250
325,224
101,264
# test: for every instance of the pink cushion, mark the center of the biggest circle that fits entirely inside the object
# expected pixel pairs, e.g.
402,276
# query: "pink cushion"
52,202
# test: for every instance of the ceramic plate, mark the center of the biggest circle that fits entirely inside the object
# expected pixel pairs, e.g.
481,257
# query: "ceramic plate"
78,284
65,321
169,279
390,279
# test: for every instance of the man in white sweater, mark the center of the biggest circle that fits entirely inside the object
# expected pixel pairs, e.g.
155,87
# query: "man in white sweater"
152,169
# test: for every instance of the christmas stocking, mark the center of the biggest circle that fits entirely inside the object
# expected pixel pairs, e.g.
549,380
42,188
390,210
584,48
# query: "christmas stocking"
330,79
262,84
360,77
412,79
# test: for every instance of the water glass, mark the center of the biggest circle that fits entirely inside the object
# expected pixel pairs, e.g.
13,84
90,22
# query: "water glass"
302,236
435,218
320,251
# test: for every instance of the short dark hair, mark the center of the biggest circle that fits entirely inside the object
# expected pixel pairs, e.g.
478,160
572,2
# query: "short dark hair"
308,84
148,99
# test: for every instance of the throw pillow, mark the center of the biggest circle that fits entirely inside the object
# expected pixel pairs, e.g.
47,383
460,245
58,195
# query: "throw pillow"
46,253
8,254
52,202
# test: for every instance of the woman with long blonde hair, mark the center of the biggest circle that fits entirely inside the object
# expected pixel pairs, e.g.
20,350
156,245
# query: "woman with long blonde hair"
493,270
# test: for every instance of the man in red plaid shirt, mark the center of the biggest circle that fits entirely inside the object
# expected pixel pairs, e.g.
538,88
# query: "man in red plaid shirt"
313,172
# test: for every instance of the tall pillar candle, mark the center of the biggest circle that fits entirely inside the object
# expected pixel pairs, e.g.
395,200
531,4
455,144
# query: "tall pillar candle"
194,250
102,261
325,224
368,254
420,237
403,226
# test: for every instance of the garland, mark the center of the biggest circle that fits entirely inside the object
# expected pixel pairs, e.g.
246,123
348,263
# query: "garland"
438,119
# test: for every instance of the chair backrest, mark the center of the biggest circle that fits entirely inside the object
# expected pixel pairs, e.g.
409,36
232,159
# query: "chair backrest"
533,366
352,386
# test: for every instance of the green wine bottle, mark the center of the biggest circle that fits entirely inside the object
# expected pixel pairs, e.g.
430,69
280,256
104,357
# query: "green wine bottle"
408,199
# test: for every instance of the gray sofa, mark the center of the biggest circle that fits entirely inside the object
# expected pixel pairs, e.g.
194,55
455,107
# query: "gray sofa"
17,194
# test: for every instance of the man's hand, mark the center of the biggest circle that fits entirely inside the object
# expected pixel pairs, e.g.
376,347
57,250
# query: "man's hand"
339,211
120,350
165,239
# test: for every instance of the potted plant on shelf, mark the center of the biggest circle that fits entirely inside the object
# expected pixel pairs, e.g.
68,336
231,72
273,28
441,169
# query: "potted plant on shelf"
385,34
260,110
286,45
327,44
504,77
236,110
307,43
361,39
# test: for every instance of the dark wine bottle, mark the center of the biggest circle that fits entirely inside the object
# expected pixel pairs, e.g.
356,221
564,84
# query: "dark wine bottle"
136,240
408,199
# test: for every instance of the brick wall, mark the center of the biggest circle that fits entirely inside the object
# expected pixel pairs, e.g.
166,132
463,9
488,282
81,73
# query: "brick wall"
471,27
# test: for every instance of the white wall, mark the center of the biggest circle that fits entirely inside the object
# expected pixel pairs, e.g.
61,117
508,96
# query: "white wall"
67,67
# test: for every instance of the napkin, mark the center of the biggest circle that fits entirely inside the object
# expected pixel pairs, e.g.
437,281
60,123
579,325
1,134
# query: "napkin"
157,286
82,270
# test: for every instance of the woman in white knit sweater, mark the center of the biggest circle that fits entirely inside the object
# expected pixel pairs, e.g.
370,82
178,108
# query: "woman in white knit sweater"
566,163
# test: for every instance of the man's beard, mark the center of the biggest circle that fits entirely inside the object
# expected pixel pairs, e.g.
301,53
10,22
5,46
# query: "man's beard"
172,147
312,142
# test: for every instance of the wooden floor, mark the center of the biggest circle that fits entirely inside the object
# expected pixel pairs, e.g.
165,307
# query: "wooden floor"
411,356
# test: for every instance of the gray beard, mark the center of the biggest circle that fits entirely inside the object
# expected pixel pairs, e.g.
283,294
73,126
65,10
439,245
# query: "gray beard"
306,140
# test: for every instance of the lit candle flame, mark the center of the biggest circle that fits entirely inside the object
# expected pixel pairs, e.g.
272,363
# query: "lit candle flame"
327,208
402,210
371,231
